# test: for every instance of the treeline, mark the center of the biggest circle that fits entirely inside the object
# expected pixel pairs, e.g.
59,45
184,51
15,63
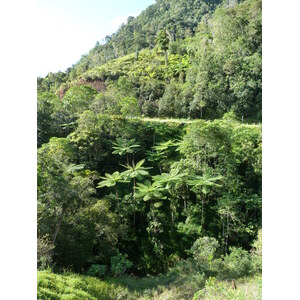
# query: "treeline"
204,75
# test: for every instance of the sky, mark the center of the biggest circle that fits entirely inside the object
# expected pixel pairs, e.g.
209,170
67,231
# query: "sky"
68,29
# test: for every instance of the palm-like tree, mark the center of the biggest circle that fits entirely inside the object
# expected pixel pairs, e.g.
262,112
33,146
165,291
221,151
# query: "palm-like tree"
135,171
160,152
227,215
150,191
204,184
169,181
124,147
111,180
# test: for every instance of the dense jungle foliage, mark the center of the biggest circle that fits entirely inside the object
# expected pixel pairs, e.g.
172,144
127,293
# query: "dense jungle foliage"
149,159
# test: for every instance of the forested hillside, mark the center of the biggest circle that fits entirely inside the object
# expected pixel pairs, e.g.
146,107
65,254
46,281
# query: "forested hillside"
204,75
149,158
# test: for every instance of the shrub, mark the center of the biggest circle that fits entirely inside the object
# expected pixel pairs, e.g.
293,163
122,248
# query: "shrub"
97,270
120,264
257,253
247,289
203,251
238,263
44,252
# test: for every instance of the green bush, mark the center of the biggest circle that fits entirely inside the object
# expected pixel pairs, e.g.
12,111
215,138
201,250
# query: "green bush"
257,253
203,251
44,252
238,263
120,264
97,270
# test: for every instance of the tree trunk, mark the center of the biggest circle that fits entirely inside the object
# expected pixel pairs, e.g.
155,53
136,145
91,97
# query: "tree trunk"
223,235
117,196
134,204
166,58
202,213
136,53
227,234
58,226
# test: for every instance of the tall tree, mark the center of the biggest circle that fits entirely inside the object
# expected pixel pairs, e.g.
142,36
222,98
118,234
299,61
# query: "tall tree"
170,181
163,42
111,180
135,171
204,184
125,147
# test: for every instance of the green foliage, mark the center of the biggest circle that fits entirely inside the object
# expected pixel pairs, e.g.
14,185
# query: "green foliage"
181,282
124,147
78,98
130,107
179,19
257,253
44,252
249,288
110,179
51,82
163,40
213,64
227,58
160,200
184,180
120,264
237,263
89,236
203,251
45,122
168,101
257,245
97,270
71,286
204,182
136,170
150,191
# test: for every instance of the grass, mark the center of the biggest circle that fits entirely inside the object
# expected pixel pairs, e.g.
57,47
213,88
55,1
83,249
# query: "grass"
174,120
181,282
249,288
72,286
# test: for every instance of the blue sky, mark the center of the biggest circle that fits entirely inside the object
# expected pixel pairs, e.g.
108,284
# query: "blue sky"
68,29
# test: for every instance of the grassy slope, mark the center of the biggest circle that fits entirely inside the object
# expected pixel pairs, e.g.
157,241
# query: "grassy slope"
179,283
173,285
149,66
72,286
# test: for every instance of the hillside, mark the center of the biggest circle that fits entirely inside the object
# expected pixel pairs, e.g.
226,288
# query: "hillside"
213,72
149,159
179,18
